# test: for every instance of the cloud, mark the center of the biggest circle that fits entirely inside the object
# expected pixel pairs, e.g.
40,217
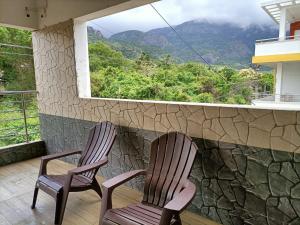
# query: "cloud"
240,12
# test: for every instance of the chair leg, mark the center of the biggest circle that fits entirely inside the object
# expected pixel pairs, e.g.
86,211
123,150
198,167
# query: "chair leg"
96,187
57,218
35,194
62,206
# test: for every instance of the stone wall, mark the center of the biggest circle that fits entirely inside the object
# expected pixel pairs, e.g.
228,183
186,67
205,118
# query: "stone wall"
57,86
247,169
236,184
21,152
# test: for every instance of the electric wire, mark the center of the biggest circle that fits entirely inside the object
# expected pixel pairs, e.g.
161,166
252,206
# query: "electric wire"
179,36
15,46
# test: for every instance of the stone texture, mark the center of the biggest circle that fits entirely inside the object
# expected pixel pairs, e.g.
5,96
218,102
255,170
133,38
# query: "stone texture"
258,138
236,185
246,184
283,118
21,152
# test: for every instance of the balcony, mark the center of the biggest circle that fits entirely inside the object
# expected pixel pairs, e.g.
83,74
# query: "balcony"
273,50
16,186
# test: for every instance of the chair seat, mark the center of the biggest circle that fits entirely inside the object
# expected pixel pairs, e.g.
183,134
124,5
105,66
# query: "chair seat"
56,182
134,215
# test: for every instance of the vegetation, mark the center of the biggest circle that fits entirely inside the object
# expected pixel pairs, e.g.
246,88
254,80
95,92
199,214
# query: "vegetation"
147,78
16,74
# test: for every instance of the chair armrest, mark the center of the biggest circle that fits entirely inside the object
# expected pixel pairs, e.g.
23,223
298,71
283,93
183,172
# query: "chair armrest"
59,155
88,167
183,199
121,179
48,158
110,185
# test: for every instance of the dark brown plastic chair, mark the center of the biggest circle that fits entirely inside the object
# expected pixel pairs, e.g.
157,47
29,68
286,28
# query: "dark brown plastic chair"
82,178
167,190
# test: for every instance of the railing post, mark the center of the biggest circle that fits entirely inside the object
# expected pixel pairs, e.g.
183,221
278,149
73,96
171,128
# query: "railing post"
24,116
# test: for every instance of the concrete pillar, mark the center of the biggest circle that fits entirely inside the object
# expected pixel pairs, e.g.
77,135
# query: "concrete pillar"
278,84
82,59
283,24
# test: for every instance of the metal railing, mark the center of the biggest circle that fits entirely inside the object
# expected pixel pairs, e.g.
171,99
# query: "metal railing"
287,38
19,120
280,98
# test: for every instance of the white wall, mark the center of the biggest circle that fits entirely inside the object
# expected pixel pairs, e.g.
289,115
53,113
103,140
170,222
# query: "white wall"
277,48
291,79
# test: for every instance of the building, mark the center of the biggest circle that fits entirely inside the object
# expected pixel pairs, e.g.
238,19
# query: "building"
282,53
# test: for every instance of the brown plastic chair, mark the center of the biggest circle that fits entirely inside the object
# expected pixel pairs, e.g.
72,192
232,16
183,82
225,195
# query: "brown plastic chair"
167,190
82,178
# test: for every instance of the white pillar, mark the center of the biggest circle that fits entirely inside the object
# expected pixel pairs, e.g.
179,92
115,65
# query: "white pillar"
82,59
283,24
278,81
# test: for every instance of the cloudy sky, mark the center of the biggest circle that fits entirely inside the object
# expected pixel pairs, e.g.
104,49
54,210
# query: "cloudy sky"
240,12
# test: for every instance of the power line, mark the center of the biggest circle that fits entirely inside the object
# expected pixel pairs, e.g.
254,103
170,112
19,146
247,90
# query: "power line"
97,25
179,36
15,46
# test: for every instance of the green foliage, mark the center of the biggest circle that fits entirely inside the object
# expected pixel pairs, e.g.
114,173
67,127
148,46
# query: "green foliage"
12,125
146,78
17,73
16,64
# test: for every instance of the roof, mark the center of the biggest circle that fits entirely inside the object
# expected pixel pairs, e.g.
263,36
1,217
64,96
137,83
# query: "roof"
274,7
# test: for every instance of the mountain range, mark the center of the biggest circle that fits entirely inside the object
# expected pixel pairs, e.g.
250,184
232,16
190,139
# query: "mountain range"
217,43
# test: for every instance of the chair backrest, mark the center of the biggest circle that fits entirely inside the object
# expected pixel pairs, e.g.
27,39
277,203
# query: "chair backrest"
171,161
99,144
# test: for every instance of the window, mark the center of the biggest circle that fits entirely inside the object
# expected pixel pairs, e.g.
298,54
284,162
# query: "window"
137,54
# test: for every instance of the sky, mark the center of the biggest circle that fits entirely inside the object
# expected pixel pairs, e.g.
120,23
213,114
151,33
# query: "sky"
240,12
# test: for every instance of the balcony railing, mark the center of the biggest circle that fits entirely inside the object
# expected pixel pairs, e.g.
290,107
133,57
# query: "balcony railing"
19,120
287,38
279,98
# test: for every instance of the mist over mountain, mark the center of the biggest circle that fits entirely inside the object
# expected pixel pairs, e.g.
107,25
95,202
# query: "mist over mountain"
220,44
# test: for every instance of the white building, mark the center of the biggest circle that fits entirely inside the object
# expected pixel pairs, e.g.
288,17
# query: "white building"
282,53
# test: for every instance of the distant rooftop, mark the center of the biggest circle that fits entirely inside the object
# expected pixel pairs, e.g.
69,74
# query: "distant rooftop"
273,9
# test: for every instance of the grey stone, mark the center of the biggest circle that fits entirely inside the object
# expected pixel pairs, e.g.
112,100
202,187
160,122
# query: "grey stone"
297,157
209,197
227,157
279,185
225,174
240,195
286,207
227,190
296,206
276,217
241,162
224,217
295,192
261,190
213,214
288,172
295,222
273,201
254,204
224,203
275,168
280,156
263,157
256,173
204,211
297,168
214,186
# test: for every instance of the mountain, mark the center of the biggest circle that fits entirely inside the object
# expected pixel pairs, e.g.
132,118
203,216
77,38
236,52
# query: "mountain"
94,35
218,43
